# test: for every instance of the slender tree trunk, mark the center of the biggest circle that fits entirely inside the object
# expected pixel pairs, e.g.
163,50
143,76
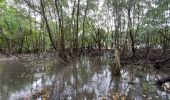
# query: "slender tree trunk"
75,50
22,37
84,19
130,31
60,19
47,25
72,31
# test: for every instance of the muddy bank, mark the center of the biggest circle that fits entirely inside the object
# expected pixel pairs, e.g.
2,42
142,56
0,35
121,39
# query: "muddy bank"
28,57
4,57
154,57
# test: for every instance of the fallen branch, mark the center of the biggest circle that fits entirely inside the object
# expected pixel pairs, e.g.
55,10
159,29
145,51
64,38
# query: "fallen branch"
161,61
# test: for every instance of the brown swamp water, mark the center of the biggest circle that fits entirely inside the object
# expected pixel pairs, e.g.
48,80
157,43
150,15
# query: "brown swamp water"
87,78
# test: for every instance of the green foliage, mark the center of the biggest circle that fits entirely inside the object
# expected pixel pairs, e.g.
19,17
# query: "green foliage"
26,26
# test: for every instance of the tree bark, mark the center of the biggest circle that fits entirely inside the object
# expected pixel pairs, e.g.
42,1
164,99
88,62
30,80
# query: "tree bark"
77,29
47,25
84,19
130,31
60,19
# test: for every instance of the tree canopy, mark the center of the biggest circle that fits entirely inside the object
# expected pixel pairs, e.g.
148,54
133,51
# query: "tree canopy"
39,25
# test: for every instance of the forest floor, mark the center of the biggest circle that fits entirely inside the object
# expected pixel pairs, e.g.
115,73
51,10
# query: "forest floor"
141,56
4,57
28,57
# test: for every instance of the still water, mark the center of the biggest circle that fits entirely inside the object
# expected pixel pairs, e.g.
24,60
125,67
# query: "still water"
87,78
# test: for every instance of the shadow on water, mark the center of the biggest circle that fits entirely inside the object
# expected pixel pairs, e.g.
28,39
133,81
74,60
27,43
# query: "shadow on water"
85,79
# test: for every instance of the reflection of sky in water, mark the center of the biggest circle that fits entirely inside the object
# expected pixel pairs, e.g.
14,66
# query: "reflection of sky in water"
92,79
99,83
29,89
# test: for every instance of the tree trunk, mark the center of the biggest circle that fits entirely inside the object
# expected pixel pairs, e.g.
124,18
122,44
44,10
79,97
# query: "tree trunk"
47,25
60,19
77,29
84,19
130,31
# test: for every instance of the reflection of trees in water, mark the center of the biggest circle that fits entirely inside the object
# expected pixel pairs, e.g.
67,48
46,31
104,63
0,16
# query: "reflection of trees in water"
154,75
82,77
19,78
14,77
89,78
133,82
86,78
